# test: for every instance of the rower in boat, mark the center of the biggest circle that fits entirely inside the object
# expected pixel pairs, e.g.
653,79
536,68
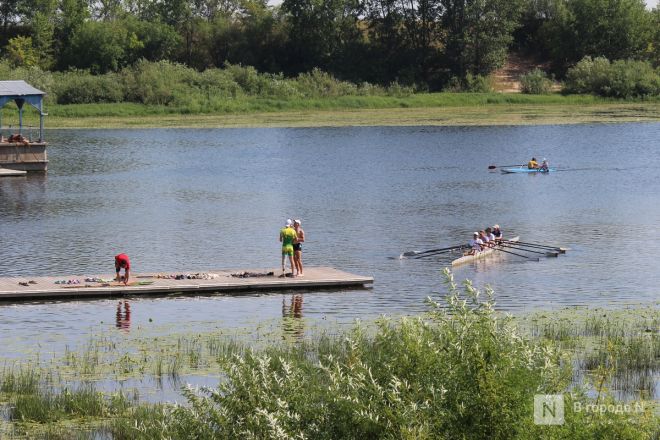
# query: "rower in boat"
484,238
544,165
533,164
476,244
491,236
497,233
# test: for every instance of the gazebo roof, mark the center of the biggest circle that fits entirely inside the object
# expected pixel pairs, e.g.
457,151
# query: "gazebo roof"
20,90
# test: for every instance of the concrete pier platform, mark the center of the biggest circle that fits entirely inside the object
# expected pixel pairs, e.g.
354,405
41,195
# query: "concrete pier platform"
144,284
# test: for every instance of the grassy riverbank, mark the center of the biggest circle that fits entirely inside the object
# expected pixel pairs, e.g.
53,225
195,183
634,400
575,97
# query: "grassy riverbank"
460,371
416,109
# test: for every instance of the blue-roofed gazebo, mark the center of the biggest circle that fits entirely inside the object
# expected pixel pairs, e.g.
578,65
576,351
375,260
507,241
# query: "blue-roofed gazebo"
21,93
18,152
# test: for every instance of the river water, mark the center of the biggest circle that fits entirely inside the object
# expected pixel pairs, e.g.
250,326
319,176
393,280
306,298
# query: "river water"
184,199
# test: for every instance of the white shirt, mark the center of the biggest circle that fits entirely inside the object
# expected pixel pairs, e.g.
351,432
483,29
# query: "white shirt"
476,244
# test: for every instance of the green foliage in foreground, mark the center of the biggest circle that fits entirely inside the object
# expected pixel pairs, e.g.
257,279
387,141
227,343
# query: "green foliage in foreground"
461,371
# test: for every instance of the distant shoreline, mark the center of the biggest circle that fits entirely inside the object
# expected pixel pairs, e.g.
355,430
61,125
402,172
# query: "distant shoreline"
437,116
431,109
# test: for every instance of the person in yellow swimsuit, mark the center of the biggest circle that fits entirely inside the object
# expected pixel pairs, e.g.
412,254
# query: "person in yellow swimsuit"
287,236
532,164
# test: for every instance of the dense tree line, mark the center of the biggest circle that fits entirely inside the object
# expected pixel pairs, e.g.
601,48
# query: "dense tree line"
427,43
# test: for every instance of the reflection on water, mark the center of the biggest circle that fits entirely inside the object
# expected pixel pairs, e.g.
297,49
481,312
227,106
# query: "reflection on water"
123,318
292,314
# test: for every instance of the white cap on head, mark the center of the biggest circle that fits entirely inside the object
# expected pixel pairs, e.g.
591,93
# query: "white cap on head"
544,159
476,233
496,227
288,222
297,222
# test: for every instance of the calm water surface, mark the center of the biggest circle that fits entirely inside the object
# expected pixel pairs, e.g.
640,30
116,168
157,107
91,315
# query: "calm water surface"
187,199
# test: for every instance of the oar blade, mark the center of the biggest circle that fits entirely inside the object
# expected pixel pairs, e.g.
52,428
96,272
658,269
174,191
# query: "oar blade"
552,254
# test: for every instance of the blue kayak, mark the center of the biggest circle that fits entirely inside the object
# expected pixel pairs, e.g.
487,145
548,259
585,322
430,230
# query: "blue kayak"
526,170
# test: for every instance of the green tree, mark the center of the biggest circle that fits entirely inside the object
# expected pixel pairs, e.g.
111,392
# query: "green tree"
614,29
43,35
20,52
654,46
477,33
70,18
319,31
100,47
9,9
153,41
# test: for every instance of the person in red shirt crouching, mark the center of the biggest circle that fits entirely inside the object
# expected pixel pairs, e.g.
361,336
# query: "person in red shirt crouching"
122,261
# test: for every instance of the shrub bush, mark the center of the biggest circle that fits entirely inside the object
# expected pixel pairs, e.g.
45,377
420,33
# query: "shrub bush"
156,83
80,87
535,82
471,83
319,84
620,79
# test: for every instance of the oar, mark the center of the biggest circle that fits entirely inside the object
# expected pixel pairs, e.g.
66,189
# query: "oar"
492,167
438,253
520,255
413,253
539,246
546,253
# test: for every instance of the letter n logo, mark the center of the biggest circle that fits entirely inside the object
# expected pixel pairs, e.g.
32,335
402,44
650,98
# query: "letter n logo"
549,409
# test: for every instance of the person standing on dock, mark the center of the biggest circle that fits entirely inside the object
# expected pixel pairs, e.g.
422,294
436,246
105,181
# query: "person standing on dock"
297,247
122,262
287,235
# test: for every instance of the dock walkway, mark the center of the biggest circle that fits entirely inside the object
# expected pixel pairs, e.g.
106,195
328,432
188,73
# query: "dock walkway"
143,284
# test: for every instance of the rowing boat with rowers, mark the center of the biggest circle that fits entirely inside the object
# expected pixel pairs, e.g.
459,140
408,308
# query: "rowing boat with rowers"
524,169
482,254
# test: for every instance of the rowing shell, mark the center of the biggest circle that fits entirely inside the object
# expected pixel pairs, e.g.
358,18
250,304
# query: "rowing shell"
527,170
469,258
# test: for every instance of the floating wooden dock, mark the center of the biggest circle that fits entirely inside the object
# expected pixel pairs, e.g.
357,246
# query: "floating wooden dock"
25,156
144,284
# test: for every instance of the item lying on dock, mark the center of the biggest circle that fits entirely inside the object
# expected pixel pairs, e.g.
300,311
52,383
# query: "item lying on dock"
67,282
253,274
188,276
98,280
